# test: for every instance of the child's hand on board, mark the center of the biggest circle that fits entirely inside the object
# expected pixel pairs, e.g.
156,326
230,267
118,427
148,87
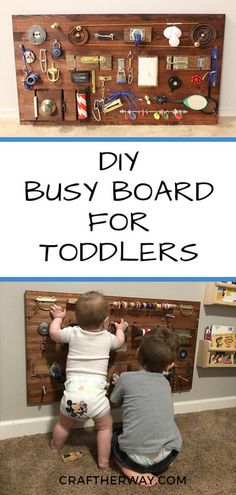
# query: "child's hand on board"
123,325
57,312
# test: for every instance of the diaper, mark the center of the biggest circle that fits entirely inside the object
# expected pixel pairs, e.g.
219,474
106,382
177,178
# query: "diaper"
85,397
150,459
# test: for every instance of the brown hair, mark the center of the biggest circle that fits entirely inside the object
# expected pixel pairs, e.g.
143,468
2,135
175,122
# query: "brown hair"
157,349
91,309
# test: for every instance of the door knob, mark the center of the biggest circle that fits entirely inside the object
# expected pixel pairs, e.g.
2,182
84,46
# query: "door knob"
47,107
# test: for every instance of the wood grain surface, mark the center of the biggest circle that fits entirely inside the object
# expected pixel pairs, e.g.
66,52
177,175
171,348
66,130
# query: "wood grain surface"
184,320
63,92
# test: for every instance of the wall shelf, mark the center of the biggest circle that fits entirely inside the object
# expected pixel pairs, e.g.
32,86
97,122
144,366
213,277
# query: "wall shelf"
220,294
204,352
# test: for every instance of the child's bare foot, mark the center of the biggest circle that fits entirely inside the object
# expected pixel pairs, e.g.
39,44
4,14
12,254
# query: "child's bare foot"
104,465
53,446
147,480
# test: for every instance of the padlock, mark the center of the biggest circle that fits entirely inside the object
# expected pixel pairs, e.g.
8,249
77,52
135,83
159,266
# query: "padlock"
56,51
166,115
31,79
178,116
47,107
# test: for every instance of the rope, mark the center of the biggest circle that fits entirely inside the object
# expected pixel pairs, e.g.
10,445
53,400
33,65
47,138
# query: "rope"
130,99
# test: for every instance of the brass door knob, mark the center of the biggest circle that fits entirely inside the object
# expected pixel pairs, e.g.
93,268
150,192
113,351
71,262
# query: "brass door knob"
55,25
47,108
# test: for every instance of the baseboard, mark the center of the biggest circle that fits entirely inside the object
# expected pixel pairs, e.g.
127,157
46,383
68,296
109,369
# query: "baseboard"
227,112
32,426
204,405
9,113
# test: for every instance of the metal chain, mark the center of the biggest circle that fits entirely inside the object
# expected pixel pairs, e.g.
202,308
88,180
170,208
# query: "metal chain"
130,68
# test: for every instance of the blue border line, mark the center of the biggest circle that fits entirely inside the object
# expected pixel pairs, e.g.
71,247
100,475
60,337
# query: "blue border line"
115,279
118,139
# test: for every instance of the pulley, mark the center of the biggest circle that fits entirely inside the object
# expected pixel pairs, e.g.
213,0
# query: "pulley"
36,35
78,35
202,35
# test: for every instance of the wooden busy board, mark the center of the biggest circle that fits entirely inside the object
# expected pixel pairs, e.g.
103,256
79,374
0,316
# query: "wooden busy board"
45,384
116,69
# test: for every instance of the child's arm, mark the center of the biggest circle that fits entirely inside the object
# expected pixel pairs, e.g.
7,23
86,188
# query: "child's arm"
58,315
120,335
116,397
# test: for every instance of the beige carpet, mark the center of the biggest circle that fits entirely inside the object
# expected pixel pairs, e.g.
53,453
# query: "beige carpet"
226,127
207,460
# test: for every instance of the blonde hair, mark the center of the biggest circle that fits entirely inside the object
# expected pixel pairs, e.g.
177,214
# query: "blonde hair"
91,310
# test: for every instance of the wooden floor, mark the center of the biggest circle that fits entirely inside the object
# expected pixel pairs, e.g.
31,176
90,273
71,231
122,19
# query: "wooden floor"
225,128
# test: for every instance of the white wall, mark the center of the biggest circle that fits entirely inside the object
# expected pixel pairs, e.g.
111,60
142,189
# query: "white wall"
211,387
8,94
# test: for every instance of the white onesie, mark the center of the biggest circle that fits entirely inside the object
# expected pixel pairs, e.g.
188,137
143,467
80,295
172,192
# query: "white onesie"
86,370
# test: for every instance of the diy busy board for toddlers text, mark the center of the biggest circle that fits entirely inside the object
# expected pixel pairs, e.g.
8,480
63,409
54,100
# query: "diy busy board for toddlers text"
118,69
46,360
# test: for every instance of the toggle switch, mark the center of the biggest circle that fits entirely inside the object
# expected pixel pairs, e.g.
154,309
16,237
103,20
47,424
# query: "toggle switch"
43,392
137,35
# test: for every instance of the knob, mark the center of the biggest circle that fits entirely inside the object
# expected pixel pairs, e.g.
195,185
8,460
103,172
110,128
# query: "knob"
47,108
173,33
55,25
43,329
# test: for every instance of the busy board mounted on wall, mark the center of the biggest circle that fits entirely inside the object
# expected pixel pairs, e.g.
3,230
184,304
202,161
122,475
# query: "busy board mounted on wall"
119,69
46,360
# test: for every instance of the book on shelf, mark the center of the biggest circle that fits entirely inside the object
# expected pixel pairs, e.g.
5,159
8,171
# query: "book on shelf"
219,357
226,294
223,337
